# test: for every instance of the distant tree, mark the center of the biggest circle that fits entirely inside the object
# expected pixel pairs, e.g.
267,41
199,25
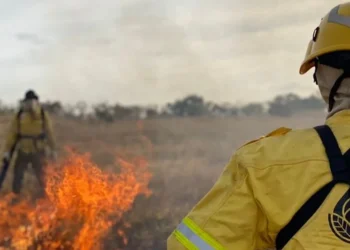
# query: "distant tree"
121,112
54,107
279,107
192,105
224,109
253,109
137,112
103,112
313,102
151,113
216,109
286,105
69,111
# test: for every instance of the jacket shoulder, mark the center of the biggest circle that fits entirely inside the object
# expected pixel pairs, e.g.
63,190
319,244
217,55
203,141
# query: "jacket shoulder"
277,132
281,146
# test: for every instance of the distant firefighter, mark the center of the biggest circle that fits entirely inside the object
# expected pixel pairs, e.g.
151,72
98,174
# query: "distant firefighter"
30,139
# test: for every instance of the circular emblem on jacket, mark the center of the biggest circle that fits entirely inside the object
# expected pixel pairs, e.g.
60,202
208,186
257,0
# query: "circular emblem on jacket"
339,220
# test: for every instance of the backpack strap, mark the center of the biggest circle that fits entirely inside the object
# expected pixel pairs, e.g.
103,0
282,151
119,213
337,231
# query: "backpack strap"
19,113
341,174
42,114
340,170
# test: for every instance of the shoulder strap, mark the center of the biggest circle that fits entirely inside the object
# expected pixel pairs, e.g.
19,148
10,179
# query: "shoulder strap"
19,113
42,113
341,174
338,166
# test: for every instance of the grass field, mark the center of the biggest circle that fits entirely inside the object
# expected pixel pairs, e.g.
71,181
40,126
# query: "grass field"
185,158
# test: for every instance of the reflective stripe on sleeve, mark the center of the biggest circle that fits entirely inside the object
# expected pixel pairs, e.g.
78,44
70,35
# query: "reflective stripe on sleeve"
194,238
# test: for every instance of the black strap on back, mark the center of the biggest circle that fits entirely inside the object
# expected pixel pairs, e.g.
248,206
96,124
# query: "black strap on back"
19,121
341,174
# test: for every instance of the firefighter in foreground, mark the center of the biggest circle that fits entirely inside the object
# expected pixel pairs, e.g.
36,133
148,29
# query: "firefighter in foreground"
291,188
30,140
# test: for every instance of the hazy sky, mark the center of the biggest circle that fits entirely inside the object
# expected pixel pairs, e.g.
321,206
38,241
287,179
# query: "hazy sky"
144,51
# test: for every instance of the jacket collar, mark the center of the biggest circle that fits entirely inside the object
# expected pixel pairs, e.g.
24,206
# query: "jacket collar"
339,117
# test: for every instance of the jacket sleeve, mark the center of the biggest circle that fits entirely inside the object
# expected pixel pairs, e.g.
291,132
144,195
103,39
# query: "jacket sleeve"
11,135
50,132
228,217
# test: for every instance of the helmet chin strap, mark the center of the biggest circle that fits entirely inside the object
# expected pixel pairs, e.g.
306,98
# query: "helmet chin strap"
314,75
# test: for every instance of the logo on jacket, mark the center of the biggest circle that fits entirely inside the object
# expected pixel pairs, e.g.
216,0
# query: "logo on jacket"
339,220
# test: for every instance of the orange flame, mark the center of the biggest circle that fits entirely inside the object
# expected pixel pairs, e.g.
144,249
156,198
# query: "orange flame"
82,204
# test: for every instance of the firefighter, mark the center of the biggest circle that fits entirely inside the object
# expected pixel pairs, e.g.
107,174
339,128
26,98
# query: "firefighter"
291,188
32,132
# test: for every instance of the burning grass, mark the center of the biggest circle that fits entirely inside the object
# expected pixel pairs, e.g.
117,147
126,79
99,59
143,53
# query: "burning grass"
82,204
185,156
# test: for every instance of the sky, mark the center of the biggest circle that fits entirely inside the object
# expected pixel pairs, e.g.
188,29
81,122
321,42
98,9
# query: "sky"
154,52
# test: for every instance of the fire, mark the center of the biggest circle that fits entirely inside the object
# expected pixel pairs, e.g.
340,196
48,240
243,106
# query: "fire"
81,206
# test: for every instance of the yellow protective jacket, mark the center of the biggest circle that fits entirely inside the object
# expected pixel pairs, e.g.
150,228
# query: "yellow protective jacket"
263,186
25,126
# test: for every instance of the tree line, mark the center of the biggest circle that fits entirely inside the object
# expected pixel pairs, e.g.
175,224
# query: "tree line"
189,106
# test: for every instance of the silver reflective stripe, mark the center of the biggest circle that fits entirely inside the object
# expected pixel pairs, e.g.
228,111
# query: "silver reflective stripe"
194,238
334,17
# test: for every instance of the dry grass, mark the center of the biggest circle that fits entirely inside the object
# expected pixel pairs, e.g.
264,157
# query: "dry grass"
186,157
